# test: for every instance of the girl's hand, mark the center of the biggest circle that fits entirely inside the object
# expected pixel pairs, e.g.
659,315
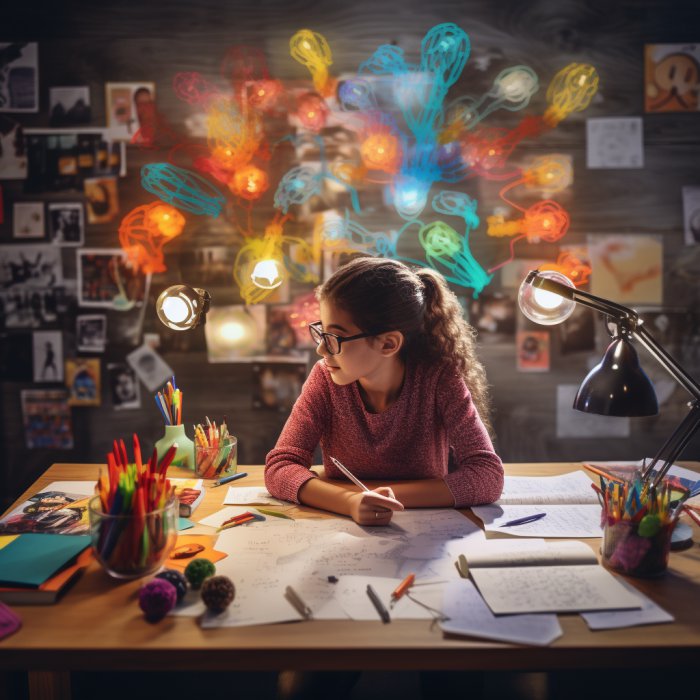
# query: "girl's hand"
374,507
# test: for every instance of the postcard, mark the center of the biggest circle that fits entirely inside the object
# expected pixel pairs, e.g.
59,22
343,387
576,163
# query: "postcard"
28,220
48,356
671,77
83,381
129,105
615,142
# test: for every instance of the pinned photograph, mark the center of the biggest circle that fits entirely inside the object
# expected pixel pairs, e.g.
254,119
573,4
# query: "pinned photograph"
672,77
19,77
532,351
47,419
493,315
129,106
13,152
102,199
276,386
691,215
69,106
66,223
24,267
28,220
150,367
106,280
124,386
91,333
47,350
35,307
83,381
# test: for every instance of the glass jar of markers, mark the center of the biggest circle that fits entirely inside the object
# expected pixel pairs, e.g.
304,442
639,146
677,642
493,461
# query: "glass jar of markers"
637,548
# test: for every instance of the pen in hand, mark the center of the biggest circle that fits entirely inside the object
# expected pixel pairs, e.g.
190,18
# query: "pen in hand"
523,520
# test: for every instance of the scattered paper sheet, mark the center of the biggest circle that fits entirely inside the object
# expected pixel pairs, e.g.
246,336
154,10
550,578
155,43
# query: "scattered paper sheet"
469,615
239,495
523,552
221,516
561,520
574,487
649,614
532,589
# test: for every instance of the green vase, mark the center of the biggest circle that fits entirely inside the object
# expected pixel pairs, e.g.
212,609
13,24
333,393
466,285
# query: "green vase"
184,457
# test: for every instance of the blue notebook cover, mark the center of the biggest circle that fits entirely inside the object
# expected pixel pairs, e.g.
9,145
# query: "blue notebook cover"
32,558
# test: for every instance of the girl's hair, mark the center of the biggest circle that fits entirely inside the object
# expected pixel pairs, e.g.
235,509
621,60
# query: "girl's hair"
384,295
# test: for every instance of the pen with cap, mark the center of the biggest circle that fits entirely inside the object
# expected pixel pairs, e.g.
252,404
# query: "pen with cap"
523,520
297,603
226,479
378,605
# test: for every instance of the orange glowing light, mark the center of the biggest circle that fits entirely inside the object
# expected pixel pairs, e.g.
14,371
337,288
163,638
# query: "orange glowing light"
381,151
249,182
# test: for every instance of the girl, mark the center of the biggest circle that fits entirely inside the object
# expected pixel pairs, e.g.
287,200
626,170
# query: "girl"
396,397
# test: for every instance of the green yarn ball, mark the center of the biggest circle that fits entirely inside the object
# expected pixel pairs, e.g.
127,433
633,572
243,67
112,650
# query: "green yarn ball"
197,570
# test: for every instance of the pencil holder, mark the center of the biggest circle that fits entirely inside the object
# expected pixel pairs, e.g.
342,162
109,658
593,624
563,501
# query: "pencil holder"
184,457
134,544
637,548
214,462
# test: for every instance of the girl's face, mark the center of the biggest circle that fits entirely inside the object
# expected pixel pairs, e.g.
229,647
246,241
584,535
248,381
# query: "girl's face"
357,359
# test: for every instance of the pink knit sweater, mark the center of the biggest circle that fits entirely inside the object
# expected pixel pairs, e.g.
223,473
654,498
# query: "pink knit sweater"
412,439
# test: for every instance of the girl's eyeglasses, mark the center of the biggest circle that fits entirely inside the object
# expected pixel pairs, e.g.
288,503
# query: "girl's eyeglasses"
332,341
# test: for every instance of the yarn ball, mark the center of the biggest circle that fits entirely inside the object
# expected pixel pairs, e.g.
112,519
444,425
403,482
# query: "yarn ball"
178,580
157,598
197,570
218,593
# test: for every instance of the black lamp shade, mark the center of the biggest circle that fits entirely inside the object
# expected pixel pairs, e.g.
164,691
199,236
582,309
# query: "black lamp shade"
618,386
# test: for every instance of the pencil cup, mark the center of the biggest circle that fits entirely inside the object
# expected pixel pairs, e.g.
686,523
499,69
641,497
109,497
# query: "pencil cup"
637,548
132,545
216,462
184,457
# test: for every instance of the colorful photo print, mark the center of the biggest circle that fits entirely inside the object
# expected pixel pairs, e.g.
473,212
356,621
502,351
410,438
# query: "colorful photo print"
69,106
19,77
54,512
282,336
83,381
129,105
28,220
91,332
48,356
47,419
66,223
124,387
102,199
532,348
276,386
106,280
671,77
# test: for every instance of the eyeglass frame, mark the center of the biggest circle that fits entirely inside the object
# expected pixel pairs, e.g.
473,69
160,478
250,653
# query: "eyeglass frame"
339,338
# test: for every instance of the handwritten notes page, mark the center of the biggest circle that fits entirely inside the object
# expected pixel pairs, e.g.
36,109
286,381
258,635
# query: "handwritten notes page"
240,495
574,487
530,553
533,589
572,520
469,615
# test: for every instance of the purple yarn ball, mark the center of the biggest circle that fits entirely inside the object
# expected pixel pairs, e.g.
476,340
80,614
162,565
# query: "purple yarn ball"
157,598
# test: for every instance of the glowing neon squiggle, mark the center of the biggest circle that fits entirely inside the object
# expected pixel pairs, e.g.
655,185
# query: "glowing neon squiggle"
182,188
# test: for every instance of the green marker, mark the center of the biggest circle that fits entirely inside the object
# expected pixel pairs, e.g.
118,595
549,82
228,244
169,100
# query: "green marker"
275,513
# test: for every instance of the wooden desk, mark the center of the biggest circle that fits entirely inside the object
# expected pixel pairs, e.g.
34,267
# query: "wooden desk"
98,625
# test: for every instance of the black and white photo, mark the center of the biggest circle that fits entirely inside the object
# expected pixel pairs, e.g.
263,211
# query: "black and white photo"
69,106
91,332
19,77
150,367
48,356
66,223
35,266
123,386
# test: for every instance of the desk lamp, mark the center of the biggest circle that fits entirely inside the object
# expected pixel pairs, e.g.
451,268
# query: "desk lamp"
182,307
617,386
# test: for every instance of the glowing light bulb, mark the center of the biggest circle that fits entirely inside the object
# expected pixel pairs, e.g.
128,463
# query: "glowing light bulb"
232,331
175,309
266,274
547,300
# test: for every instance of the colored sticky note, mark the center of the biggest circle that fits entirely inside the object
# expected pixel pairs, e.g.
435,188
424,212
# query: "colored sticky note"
184,524
32,558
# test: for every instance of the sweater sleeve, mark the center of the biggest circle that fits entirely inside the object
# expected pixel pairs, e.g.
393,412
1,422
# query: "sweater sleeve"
287,465
478,474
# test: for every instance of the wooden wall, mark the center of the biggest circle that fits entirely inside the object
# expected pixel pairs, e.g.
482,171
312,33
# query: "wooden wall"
90,43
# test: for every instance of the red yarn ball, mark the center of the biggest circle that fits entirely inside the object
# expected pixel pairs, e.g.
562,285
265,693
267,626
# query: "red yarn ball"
157,598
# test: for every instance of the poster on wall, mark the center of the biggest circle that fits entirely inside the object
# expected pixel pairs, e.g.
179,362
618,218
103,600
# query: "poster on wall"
30,266
47,419
106,280
129,105
672,77
19,77
66,223
47,350
532,351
